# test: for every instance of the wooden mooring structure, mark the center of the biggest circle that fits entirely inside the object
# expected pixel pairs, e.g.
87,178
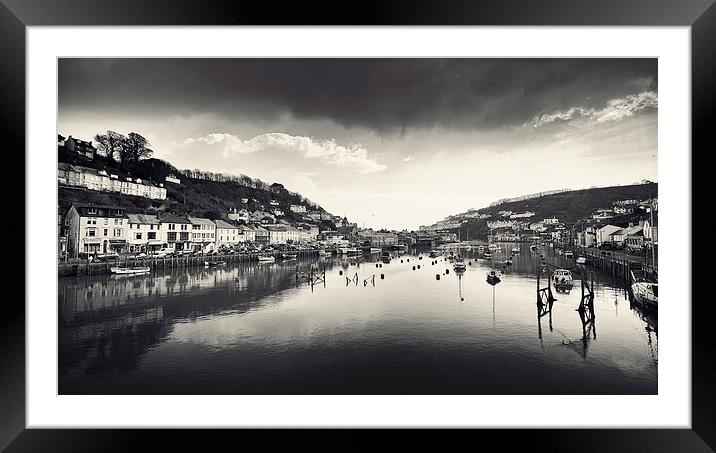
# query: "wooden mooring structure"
87,268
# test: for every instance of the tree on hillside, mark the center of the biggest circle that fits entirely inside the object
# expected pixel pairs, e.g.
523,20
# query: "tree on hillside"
136,147
110,144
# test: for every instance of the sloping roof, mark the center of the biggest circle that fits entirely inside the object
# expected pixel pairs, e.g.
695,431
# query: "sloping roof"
275,228
226,225
173,218
201,221
629,230
97,206
145,219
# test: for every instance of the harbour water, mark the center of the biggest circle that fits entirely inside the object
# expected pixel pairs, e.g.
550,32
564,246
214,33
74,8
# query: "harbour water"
250,328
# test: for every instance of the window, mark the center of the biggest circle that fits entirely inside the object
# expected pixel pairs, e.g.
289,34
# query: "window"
116,221
106,220
91,211
91,232
105,232
184,236
151,235
138,236
171,237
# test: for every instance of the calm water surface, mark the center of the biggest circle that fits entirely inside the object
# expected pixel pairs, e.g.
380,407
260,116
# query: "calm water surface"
250,329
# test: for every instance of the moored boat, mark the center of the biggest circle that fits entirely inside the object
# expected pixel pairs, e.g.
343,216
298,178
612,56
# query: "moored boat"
289,255
130,270
494,276
562,279
644,288
581,260
459,266
266,259
569,254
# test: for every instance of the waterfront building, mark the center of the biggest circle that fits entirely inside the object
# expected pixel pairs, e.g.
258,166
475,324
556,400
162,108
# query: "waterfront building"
619,237
175,232
227,234
96,229
604,234
246,233
261,235
650,230
333,237
203,234
144,233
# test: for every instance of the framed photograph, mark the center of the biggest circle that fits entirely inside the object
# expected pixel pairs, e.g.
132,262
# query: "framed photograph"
452,225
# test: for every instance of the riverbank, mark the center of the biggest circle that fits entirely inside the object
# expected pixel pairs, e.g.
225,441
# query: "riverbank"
87,268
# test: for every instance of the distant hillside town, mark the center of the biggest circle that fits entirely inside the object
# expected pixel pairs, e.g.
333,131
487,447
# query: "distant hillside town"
116,198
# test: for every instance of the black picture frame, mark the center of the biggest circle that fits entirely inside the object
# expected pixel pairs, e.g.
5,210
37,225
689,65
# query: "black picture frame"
16,15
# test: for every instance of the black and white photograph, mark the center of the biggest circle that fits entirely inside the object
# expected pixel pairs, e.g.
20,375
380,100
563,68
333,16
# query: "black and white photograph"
357,226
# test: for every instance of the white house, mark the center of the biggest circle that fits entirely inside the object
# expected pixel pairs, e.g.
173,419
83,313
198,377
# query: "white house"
95,229
227,234
175,232
203,234
143,233
604,234
298,208
240,215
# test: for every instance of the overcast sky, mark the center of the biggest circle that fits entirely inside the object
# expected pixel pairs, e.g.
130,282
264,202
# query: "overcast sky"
393,143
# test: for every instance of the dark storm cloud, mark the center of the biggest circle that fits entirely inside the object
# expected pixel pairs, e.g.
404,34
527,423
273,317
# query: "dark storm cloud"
384,95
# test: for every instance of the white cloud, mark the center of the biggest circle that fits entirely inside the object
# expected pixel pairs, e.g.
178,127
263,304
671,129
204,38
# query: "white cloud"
615,110
352,156
408,158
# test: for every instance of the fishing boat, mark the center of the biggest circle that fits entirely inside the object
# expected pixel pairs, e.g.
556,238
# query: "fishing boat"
581,260
374,250
289,255
488,254
569,254
493,276
562,279
217,264
266,259
385,257
324,252
401,247
516,251
130,270
644,288
354,251
508,262
459,266
434,253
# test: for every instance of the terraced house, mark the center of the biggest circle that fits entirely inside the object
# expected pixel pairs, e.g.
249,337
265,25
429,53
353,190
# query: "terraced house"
203,234
96,229
175,232
144,233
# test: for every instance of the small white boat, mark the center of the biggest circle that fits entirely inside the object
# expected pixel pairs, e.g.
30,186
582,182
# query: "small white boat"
266,259
488,254
459,266
492,247
289,256
130,270
324,252
581,260
644,288
562,278
569,254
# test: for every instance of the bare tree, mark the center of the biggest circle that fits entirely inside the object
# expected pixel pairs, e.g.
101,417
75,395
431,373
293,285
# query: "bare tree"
111,144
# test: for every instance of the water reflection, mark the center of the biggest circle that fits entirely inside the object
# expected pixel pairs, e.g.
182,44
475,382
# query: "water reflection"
383,327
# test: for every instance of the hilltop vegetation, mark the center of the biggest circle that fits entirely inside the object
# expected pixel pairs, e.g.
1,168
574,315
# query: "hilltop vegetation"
195,196
568,207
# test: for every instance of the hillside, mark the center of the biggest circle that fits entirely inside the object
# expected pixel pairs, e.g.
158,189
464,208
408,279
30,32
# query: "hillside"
194,196
569,207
